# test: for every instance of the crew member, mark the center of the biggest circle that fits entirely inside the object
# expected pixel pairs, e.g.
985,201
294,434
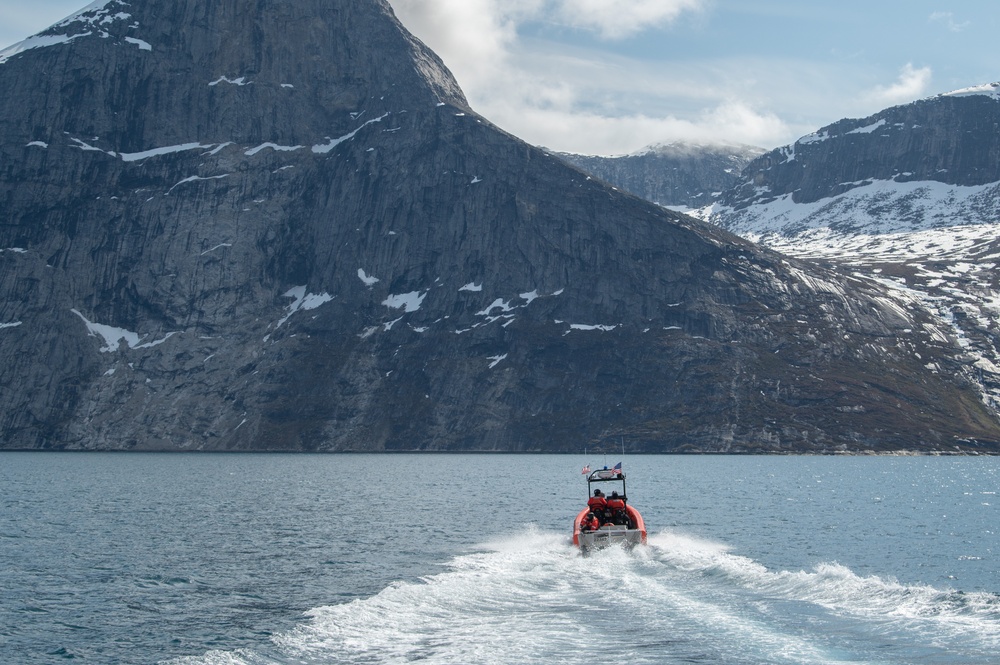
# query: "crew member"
616,506
598,504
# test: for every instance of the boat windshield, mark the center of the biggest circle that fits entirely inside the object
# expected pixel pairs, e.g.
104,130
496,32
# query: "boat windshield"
606,476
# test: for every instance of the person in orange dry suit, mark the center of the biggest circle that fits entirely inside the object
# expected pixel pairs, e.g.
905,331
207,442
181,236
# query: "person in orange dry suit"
598,505
616,506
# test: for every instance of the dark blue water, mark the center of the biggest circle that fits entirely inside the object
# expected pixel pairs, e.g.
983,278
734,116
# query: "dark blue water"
465,559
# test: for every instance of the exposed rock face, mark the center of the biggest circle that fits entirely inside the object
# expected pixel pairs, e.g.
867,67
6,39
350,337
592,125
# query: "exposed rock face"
909,197
676,174
279,227
951,139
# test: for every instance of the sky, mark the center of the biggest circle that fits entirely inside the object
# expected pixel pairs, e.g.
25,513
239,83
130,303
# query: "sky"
608,77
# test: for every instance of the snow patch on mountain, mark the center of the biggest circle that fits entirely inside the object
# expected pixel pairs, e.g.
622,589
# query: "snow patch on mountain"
113,336
143,46
815,137
154,152
408,302
868,129
272,146
871,208
303,301
90,20
86,147
225,79
219,246
529,296
323,148
988,89
369,280
95,13
499,303
587,326
196,178
932,244
38,41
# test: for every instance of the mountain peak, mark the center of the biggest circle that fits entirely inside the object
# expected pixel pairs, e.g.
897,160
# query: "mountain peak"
692,148
679,175
194,68
987,89
275,225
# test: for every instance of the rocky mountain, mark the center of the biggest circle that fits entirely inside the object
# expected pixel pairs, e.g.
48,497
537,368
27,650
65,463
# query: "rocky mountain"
909,197
279,226
672,174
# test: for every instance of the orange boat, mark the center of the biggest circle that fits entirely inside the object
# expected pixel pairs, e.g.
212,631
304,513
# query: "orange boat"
608,519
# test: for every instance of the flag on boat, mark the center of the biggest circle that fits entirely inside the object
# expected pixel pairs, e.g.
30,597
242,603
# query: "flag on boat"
586,470
618,468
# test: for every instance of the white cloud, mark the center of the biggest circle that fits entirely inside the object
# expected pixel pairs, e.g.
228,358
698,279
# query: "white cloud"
486,24
911,84
948,19
604,135
578,100
598,104
476,39
476,28
615,19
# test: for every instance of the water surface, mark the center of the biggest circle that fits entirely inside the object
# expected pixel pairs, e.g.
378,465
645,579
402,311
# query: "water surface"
113,558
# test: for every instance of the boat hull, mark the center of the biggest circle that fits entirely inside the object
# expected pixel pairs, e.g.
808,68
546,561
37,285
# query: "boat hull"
610,534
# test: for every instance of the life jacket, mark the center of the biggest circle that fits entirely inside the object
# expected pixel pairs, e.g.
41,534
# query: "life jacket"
616,504
597,504
590,524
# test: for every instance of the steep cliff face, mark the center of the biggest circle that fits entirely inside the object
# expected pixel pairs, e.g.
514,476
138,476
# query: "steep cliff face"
277,226
675,174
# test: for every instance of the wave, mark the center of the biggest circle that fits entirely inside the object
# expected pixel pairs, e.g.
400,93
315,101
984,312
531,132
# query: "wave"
534,599
833,586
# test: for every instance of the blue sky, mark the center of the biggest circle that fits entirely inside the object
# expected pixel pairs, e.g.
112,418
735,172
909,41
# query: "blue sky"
611,76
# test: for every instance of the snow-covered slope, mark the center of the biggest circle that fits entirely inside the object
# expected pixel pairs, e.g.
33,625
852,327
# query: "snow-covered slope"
872,208
909,197
988,89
